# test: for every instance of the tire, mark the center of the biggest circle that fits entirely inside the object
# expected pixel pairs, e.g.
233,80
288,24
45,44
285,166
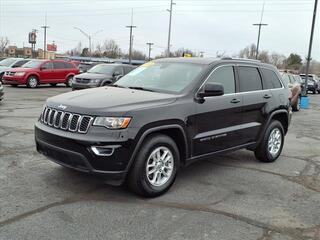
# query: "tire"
69,81
296,106
32,82
265,154
314,91
53,84
142,183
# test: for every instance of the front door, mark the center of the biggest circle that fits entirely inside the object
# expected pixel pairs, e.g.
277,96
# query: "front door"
219,118
46,72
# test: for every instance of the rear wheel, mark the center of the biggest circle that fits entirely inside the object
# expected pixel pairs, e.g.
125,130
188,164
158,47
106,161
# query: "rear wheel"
69,81
32,82
296,106
155,167
272,143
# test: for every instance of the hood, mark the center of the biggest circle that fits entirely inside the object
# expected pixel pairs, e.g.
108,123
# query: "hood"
4,68
94,76
108,100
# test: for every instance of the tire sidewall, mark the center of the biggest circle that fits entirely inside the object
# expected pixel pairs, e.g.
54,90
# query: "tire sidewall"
69,79
143,157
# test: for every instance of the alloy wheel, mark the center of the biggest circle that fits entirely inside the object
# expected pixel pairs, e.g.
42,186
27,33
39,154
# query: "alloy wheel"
159,166
275,142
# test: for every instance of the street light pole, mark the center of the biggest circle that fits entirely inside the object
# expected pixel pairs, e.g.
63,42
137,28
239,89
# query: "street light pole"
169,33
150,44
89,37
305,89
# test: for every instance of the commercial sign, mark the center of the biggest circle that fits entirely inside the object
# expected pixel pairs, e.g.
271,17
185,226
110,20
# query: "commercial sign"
32,37
52,47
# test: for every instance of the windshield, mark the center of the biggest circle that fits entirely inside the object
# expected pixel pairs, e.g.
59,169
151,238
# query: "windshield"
32,64
161,76
102,69
7,62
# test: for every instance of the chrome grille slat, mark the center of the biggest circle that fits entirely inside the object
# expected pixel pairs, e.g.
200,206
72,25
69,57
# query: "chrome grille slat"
65,120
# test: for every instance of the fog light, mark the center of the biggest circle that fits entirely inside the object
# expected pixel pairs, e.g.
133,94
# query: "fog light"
102,150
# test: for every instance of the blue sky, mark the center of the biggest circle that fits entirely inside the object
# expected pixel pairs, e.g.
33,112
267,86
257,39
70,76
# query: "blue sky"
201,25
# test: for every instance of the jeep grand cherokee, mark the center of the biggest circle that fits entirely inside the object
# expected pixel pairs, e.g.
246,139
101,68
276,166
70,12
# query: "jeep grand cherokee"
166,114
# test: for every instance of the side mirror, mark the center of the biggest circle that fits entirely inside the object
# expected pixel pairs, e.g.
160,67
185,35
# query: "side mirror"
211,89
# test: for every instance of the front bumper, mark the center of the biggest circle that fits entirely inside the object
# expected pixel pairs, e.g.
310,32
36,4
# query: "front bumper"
13,80
76,85
78,155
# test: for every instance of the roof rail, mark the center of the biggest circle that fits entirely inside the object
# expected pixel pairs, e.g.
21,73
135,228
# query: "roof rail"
242,59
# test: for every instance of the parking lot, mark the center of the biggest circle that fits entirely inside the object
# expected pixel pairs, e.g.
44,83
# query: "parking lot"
229,197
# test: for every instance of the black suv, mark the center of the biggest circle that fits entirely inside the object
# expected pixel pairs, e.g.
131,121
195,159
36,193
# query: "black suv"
166,114
101,75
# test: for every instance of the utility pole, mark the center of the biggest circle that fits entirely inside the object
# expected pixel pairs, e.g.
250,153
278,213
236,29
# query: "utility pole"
169,33
305,89
89,36
45,37
150,44
259,32
131,38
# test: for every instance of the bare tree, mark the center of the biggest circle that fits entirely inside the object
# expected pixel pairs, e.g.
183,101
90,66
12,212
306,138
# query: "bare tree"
264,57
4,42
111,49
278,60
221,54
248,52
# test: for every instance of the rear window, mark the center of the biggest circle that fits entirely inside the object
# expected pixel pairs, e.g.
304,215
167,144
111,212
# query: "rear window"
58,65
249,79
68,65
271,80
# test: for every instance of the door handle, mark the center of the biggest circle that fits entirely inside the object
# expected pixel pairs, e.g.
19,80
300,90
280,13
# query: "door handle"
267,96
235,100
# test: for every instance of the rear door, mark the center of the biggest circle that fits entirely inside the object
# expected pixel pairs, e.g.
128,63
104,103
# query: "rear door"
255,101
217,118
59,70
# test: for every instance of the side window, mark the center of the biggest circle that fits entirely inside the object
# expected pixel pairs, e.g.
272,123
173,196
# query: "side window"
249,79
20,63
119,70
224,76
47,65
68,65
58,65
270,80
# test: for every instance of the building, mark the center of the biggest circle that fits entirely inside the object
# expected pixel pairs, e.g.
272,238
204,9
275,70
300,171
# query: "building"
26,52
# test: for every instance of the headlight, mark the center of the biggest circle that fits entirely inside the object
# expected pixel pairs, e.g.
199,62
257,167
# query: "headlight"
19,74
95,80
112,122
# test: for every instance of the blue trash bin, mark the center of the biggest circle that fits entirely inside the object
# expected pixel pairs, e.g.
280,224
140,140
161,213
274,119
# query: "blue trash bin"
304,102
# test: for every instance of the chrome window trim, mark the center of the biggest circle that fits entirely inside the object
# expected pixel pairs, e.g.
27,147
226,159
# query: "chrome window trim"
236,93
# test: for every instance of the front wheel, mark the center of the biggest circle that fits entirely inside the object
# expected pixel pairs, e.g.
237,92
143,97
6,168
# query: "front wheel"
155,167
272,143
32,82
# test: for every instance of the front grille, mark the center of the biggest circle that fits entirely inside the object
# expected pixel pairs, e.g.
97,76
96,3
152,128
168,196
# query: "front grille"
65,120
82,80
9,73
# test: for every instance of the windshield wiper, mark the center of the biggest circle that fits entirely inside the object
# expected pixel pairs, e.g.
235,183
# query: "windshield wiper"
141,88
116,85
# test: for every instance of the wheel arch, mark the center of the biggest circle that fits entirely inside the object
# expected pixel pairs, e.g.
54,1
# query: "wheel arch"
33,75
175,131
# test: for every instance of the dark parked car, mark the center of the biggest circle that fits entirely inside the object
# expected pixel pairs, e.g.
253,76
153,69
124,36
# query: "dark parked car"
164,115
313,83
101,75
1,92
85,66
10,63
38,72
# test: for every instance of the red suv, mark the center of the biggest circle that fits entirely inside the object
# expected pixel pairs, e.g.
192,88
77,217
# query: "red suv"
38,72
